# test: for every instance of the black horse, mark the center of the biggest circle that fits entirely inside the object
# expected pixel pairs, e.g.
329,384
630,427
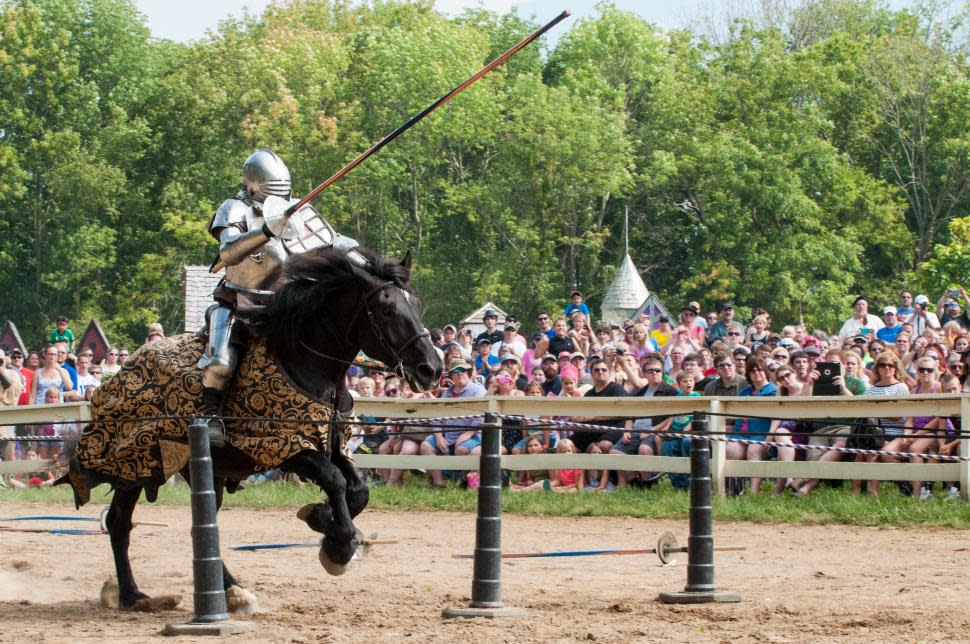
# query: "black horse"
325,310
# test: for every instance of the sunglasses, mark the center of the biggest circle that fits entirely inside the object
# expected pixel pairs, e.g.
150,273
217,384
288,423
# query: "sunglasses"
926,370
653,370
542,319
885,364
600,370
734,333
112,353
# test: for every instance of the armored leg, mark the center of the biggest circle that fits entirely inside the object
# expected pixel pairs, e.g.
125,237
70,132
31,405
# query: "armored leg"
218,365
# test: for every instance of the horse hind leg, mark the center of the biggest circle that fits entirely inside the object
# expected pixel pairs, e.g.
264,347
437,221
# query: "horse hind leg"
119,530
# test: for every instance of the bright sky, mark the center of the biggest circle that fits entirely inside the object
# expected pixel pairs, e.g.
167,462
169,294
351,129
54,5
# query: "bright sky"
190,19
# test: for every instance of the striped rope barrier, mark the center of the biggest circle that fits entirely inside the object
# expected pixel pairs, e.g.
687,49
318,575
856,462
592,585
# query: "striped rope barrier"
747,441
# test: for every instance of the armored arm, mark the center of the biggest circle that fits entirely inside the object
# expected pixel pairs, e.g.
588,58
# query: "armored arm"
231,226
236,245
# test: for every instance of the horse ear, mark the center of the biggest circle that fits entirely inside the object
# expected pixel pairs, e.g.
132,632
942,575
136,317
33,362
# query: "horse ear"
406,262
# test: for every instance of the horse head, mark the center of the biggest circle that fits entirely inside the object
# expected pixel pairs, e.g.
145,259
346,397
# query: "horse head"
330,308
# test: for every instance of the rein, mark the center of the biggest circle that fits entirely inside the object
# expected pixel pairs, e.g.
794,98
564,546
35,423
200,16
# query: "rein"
365,306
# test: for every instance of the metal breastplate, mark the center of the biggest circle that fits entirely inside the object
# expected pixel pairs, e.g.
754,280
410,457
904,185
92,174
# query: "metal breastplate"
250,273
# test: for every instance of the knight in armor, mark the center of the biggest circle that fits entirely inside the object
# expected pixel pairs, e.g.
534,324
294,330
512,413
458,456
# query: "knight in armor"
255,236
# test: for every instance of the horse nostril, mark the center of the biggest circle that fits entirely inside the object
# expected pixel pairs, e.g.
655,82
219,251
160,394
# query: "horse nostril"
426,372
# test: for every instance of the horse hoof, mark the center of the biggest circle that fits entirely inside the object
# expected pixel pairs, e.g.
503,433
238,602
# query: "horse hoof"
318,516
156,604
240,601
334,569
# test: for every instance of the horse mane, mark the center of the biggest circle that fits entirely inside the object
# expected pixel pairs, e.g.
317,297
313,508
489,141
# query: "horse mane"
308,284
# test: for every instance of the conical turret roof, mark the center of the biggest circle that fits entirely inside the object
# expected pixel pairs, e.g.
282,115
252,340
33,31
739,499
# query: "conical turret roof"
627,291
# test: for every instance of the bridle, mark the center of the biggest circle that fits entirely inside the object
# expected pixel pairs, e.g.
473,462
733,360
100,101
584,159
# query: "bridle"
365,307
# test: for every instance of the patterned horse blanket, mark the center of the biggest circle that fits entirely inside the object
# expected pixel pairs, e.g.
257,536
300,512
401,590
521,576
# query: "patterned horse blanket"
138,437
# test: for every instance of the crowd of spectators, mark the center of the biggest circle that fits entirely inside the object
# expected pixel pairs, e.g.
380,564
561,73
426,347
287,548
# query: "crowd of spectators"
60,372
908,349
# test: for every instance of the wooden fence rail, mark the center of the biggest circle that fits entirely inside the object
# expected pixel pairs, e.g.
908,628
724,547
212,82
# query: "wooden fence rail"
721,410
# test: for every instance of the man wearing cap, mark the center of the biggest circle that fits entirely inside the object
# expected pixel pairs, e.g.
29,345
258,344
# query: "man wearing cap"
459,441
893,326
578,360
510,341
922,318
719,329
949,304
511,362
449,335
26,375
862,322
491,332
550,369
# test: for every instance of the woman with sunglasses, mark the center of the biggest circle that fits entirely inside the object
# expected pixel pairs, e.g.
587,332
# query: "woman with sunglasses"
888,381
110,365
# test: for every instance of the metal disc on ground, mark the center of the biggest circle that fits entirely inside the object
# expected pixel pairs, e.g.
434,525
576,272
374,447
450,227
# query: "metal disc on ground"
666,548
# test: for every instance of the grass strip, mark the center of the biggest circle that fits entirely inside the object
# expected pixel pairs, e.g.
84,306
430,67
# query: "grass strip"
824,506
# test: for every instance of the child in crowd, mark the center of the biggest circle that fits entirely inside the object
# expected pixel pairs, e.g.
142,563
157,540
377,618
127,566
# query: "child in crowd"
367,437
62,333
599,480
566,481
678,446
527,478
576,303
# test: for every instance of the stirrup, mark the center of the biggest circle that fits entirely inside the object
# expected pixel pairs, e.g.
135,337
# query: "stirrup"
217,432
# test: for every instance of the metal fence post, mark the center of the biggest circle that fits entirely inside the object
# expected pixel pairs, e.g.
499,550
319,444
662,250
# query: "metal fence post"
209,607
486,600
700,587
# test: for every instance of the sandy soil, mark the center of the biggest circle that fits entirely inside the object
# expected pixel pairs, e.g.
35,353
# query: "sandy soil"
798,583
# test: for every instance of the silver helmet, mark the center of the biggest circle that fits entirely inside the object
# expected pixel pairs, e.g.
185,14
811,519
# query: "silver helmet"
264,173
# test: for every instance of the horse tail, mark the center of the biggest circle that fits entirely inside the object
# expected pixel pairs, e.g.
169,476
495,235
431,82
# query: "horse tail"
66,459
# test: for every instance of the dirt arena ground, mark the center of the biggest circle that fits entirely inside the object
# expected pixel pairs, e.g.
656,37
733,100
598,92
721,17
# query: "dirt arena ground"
798,583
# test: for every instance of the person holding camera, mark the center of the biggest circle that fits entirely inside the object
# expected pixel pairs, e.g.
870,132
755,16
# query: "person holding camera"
949,305
829,378
922,318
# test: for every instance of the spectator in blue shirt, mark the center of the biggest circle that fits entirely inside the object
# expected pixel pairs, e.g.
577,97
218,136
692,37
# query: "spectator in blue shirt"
576,304
893,326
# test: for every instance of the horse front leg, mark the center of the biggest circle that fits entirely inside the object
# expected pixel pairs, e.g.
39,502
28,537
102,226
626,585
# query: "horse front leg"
358,494
332,519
